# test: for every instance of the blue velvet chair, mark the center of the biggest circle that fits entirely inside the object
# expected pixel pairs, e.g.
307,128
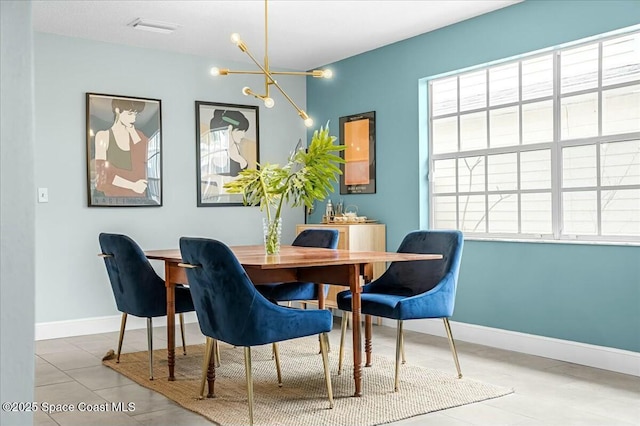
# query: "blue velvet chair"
230,309
415,289
138,290
286,292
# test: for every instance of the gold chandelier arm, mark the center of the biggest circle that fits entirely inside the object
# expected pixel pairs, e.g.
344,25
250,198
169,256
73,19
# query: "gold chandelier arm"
308,73
314,73
242,72
301,113
258,64
247,91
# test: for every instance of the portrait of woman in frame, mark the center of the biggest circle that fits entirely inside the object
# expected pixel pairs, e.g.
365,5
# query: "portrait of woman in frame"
227,141
124,151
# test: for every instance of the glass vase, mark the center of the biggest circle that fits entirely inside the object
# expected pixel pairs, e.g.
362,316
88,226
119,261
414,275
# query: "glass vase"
272,230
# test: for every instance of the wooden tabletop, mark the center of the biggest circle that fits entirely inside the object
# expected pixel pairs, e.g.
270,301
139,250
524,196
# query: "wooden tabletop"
294,256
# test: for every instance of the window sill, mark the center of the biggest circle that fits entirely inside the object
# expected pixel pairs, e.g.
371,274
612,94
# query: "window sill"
547,241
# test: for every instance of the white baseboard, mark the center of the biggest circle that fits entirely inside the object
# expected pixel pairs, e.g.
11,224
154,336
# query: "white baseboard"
82,327
612,359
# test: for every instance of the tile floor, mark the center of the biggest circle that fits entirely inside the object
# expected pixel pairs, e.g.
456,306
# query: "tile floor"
547,392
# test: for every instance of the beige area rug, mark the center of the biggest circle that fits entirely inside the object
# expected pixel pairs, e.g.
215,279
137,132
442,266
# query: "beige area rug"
302,400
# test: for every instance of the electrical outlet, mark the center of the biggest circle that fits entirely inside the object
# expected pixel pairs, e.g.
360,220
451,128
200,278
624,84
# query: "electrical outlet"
43,195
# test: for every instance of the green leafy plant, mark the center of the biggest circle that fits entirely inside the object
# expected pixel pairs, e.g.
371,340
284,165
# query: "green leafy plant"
306,177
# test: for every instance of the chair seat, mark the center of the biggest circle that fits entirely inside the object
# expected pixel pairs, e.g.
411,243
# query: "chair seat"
285,292
158,308
394,306
286,324
379,305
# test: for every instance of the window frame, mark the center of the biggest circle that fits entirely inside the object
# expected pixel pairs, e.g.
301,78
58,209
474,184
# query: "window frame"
555,147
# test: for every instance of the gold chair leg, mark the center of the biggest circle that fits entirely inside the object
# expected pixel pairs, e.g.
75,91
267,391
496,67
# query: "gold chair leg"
205,365
328,346
398,345
276,355
324,340
216,352
184,346
123,322
404,360
247,368
342,333
447,326
150,346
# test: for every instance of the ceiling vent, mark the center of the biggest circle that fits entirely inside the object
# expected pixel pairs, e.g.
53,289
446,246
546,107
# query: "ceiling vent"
153,26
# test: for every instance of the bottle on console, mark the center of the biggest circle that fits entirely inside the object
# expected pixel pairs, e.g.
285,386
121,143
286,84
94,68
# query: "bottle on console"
329,211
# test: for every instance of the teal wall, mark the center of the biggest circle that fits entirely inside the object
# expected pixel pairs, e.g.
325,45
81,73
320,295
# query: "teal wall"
583,293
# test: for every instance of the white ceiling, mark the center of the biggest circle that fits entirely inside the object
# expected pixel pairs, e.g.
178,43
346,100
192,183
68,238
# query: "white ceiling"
302,34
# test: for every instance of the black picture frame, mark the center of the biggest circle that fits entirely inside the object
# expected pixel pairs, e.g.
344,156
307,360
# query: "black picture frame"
124,151
227,141
358,135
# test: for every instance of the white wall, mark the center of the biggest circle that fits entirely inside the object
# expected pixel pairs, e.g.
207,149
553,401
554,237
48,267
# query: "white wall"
17,209
71,281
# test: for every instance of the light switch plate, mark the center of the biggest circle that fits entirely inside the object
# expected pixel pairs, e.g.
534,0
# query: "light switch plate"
43,195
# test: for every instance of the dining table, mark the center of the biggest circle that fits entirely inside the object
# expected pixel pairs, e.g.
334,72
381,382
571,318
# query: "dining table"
294,264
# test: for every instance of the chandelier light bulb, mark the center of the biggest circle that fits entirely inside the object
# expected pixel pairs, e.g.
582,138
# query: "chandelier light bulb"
235,39
215,71
308,122
327,74
246,91
269,102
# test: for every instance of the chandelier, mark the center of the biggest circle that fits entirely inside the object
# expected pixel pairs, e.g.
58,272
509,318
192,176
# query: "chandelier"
269,76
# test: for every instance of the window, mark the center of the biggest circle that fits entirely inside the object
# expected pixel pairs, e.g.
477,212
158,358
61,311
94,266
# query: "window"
154,173
545,147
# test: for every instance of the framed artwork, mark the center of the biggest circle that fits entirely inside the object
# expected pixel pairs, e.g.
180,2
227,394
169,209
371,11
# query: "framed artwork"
227,141
124,151
358,134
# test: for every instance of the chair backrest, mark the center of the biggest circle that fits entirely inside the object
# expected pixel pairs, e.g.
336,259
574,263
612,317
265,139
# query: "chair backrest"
228,306
137,288
322,238
416,277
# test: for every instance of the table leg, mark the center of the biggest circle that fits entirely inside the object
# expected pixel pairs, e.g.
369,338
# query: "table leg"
367,276
320,296
367,339
171,321
211,370
354,284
